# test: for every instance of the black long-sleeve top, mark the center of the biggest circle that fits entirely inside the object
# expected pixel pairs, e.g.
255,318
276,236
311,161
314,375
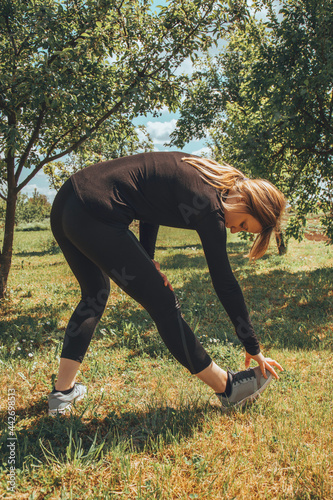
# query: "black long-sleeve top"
158,188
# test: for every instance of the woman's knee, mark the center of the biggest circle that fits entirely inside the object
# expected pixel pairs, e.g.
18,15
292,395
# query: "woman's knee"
95,302
165,309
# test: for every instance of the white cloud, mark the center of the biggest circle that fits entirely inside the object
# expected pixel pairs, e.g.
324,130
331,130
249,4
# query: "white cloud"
160,131
29,189
164,110
204,152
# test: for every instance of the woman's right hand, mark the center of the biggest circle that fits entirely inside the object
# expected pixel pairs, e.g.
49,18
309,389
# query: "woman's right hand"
165,279
264,363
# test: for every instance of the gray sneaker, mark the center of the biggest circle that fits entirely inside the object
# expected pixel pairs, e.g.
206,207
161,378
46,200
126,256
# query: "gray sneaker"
61,403
245,387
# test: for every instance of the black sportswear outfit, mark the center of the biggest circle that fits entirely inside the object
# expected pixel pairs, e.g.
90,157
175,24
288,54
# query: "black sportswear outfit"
89,219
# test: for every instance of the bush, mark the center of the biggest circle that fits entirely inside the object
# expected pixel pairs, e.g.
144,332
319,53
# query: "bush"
28,210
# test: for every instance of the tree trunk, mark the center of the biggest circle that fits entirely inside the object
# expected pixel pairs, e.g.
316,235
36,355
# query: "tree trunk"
282,247
7,249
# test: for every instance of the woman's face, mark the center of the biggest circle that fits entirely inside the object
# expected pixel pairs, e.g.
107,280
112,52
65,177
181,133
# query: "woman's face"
237,220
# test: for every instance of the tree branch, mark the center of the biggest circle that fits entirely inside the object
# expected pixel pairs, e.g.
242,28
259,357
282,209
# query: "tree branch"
22,45
321,111
328,151
11,36
122,22
331,106
176,49
316,121
78,143
3,104
32,141
53,146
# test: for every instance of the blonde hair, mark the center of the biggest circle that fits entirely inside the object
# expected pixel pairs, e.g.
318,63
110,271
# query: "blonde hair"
260,198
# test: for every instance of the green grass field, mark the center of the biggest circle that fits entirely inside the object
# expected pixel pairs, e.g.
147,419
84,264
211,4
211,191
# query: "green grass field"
148,429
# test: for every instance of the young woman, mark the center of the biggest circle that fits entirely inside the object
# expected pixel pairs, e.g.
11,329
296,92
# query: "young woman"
90,218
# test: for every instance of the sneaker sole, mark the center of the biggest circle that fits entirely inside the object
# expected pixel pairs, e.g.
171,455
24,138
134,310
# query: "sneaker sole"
53,413
249,399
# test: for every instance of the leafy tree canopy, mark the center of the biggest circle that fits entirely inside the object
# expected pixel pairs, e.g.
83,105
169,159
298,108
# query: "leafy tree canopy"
115,138
267,101
68,66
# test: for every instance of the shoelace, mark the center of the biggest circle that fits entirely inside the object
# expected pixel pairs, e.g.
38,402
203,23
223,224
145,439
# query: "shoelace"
243,375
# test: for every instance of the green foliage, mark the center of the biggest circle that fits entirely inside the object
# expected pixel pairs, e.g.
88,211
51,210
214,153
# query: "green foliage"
28,210
266,101
112,140
36,208
68,67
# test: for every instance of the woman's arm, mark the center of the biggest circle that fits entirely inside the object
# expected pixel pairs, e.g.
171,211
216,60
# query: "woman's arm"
212,233
148,236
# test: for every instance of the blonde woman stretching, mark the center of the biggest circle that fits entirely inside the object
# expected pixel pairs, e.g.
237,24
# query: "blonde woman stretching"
90,218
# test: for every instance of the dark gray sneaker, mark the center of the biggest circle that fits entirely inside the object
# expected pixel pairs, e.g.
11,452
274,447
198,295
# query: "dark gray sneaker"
61,403
245,387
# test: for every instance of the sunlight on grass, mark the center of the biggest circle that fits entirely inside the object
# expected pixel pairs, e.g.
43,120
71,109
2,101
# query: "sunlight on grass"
147,428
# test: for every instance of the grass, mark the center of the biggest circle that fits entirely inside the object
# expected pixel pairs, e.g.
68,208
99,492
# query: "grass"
148,429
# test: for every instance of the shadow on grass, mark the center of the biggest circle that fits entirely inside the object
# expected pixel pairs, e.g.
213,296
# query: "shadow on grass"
196,246
236,251
32,228
124,325
288,310
41,253
131,431
181,261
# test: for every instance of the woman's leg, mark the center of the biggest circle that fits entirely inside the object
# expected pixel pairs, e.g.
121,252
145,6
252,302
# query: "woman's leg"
118,253
114,251
95,288
215,377
66,374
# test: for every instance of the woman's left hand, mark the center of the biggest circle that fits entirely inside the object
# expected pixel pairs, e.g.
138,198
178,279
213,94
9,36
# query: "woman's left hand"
264,363
165,279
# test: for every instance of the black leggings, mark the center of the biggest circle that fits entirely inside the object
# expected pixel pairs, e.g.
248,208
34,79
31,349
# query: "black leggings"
96,250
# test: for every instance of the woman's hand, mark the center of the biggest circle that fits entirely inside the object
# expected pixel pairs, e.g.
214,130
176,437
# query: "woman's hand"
165,279
264,363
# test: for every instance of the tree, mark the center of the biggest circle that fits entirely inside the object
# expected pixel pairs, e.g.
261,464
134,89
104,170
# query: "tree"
67,67
33,209
112,140
266,102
